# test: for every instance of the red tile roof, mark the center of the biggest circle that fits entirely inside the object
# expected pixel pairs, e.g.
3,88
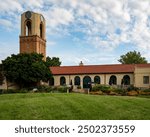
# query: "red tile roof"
96,69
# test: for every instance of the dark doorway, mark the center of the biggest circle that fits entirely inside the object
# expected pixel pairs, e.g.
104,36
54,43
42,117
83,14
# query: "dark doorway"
86,82
113,80
62,81
77,81
126,80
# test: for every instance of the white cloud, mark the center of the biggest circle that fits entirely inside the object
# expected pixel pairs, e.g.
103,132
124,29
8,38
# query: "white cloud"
5,22
58,16
32,4
10,6
104,24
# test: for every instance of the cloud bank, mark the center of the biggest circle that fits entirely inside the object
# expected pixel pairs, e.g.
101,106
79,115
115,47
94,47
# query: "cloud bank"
103,24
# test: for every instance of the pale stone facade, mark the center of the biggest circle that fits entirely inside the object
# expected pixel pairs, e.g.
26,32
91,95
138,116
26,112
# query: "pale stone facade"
138,78
104,78
142,77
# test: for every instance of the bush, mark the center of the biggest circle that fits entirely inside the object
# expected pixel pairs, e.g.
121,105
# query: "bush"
78,87
131,88
103,88
146,90
43,88
62,89
1,91
120,91
11,91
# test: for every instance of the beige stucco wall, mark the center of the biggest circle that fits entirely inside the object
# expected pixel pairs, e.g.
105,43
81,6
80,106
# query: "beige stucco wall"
104,78
139,74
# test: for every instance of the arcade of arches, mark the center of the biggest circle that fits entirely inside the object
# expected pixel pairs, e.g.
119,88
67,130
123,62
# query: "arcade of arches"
86,80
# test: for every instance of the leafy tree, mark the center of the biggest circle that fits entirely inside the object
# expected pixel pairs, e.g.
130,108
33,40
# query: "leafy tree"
132,57
54,61
26,69
1,75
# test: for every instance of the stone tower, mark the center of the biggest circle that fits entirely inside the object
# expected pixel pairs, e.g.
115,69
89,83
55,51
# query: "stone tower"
33,38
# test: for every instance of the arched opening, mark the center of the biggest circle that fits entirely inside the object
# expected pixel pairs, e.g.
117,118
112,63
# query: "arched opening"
28,28
62,81
86,82
126,80
97,80
41,30
51,82
113,80
77,81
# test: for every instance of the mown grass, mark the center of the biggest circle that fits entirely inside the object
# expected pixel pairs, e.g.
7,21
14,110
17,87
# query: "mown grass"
43,106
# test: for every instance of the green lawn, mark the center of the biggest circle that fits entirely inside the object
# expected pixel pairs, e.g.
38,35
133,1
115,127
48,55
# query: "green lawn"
72,106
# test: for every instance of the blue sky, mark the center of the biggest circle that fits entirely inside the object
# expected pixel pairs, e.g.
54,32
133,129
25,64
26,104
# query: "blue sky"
94,31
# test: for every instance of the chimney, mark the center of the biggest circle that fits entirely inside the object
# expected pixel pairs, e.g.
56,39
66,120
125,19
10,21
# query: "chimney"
81,63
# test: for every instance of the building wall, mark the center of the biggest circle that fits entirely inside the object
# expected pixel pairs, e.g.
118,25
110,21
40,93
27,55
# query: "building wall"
138,76
104,78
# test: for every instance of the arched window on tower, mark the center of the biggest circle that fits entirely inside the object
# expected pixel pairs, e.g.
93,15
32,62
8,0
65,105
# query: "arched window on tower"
28,28
41,30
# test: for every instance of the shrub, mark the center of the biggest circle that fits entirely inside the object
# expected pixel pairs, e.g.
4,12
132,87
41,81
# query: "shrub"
11,91
1,91
103,88
44,88
62,89
146,90
78,87
120,91
131,88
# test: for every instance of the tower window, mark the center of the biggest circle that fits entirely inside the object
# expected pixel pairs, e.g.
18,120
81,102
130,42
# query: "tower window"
28,28
41,30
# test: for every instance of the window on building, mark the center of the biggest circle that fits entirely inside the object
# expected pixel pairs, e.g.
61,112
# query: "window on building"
62,81
126,80
97,80
41,30
28,28
113,80
145,79
77,81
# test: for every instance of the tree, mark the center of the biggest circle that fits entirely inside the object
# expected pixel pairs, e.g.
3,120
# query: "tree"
1,75
132,57
54,61
26,69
